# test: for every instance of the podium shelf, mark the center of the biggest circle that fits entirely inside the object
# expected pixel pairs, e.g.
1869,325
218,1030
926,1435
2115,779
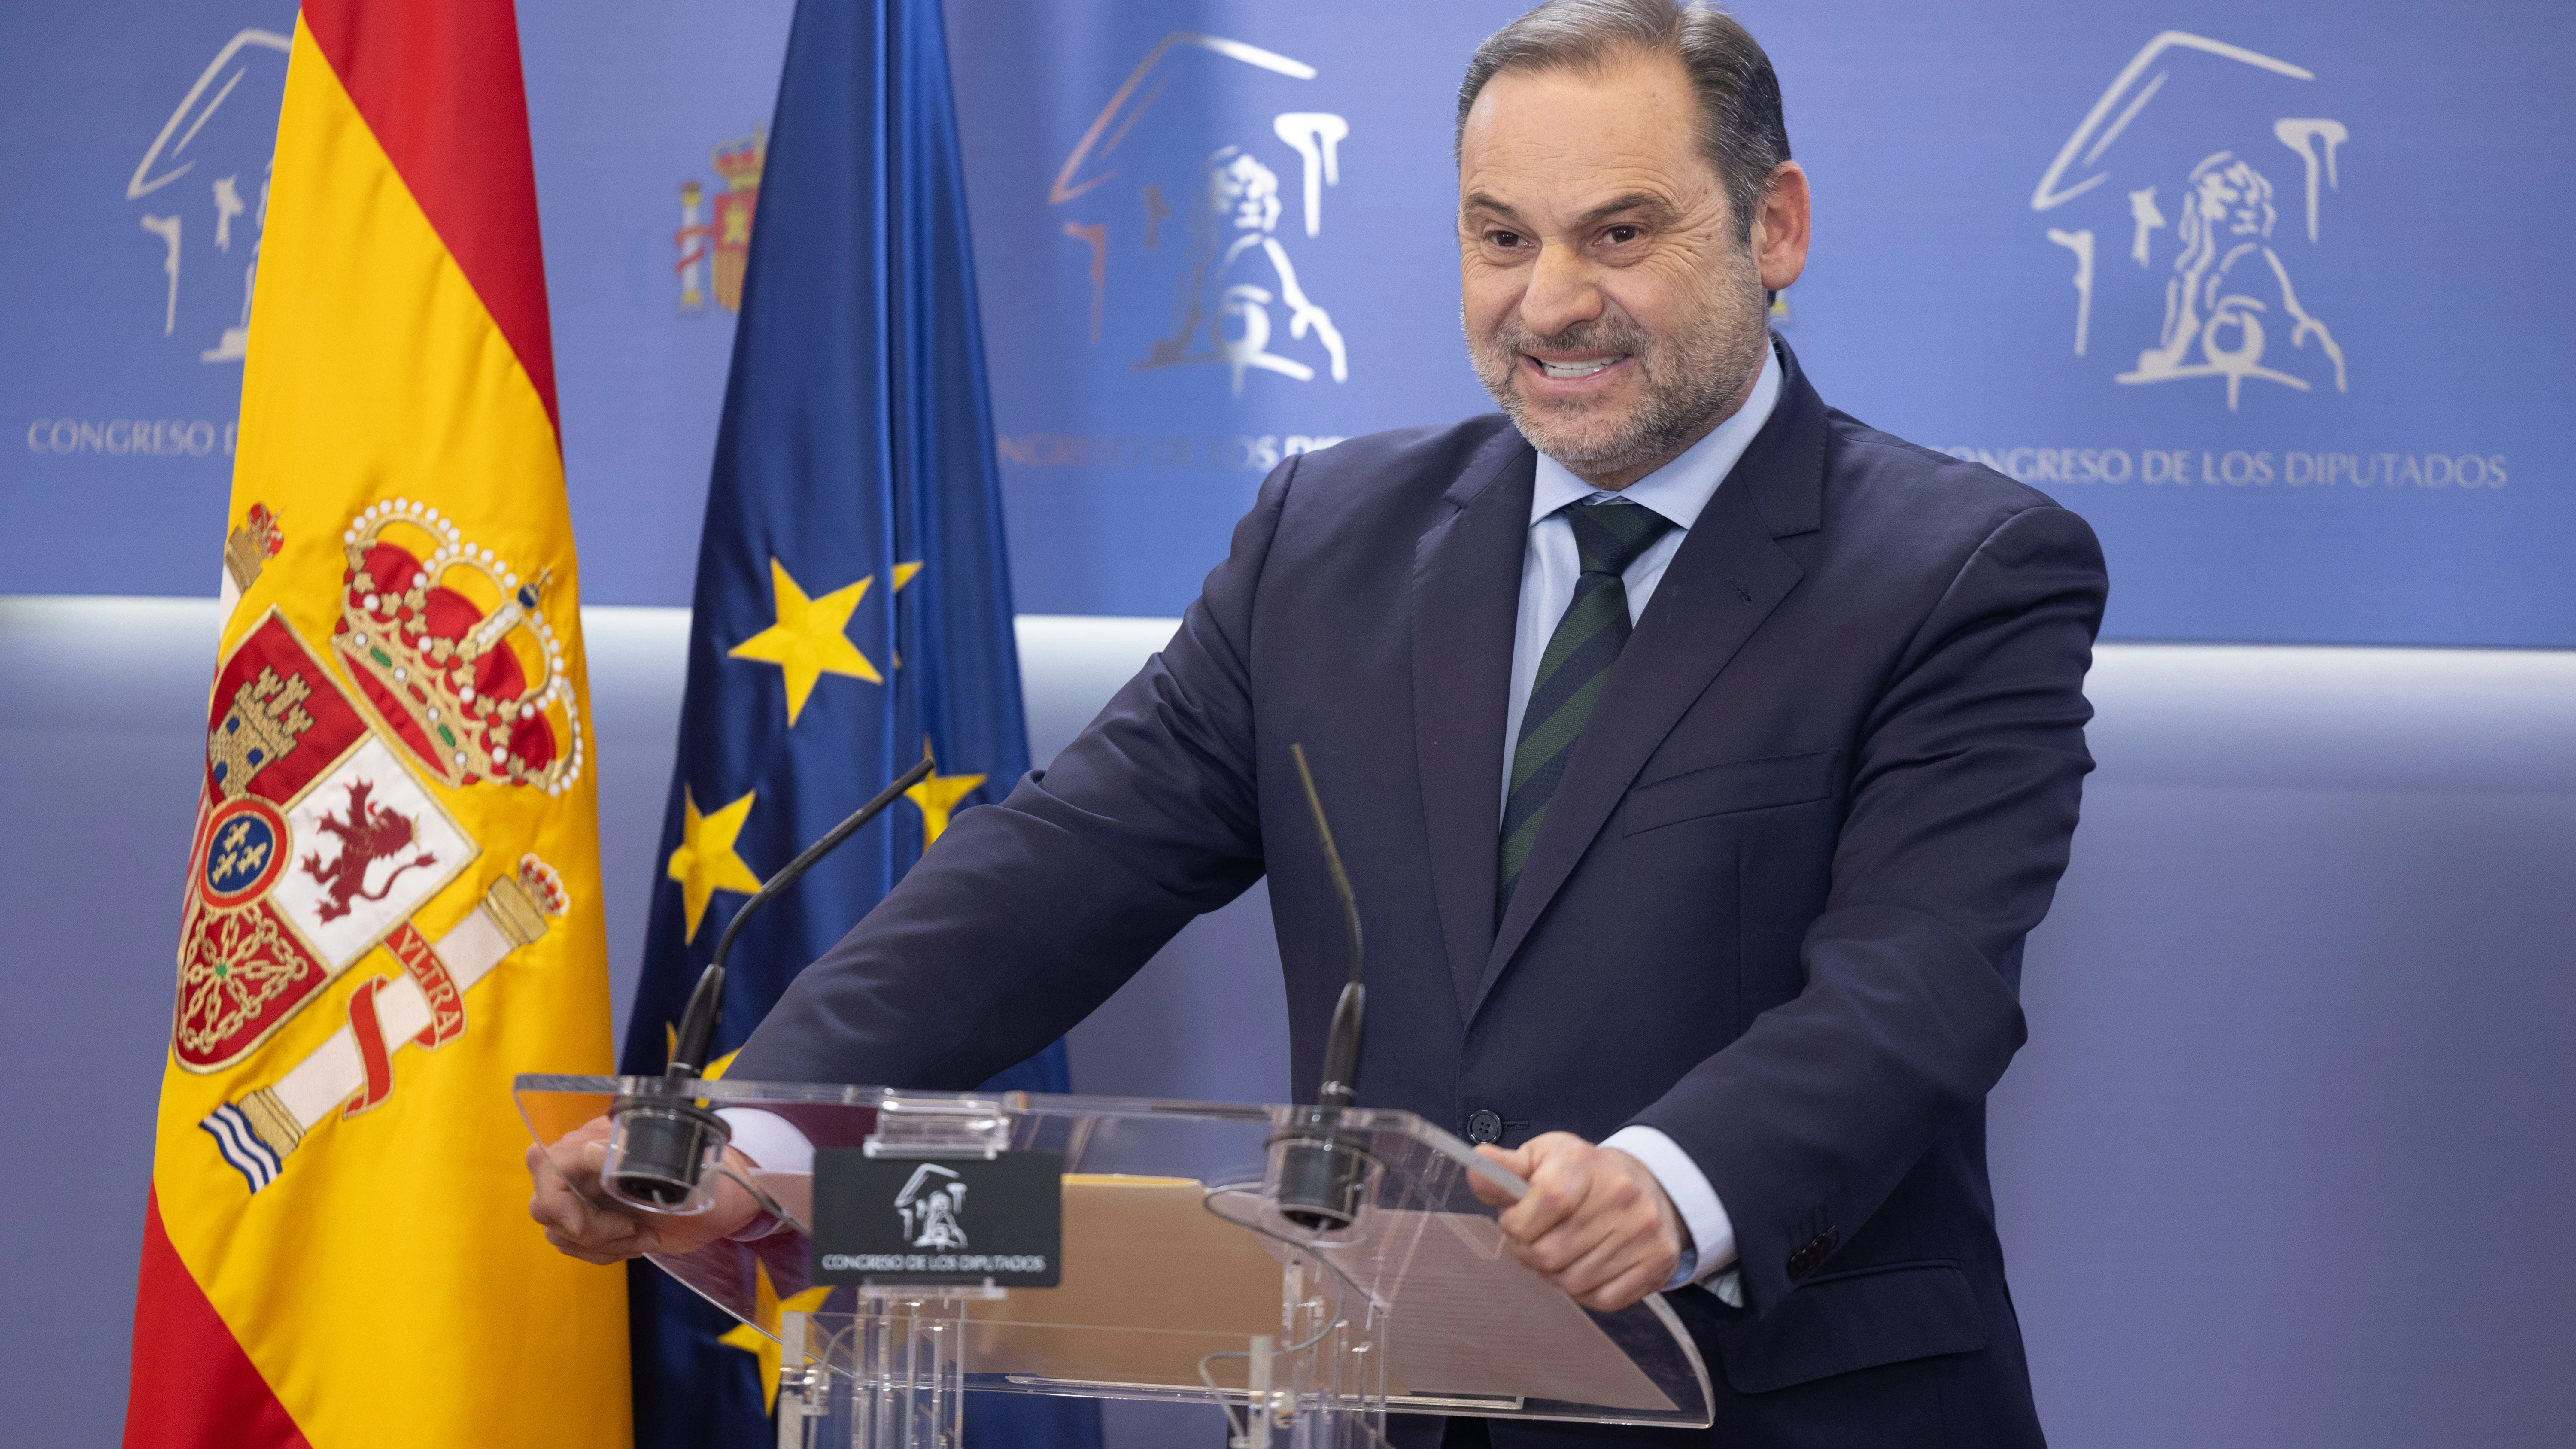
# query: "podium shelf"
1179,1271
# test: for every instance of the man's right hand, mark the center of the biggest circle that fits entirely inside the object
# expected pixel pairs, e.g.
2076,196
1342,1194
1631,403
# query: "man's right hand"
583,1221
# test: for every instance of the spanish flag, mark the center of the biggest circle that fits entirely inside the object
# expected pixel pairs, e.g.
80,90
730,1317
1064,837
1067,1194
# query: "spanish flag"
392,898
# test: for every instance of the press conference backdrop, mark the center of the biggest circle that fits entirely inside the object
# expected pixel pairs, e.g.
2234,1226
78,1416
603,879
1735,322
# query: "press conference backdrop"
2267,289
1212,234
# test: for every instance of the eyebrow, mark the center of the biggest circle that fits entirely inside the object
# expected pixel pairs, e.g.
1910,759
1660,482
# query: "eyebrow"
1632,201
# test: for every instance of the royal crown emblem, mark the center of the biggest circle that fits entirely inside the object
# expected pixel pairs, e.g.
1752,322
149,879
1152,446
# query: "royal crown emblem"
248,549
739,161
452,647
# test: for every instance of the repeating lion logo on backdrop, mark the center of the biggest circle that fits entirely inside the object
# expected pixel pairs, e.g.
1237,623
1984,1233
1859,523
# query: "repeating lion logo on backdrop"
202,195
2220,190
2196,200
1225,265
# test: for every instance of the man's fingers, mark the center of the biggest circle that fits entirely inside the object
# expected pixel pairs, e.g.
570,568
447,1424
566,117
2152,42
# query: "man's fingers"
1490,1193
1628,1288
550,1200
564,1214
1594,1222
1614,1272
1617,1253
597,1259
580,1163
592,1235
564,1179
573,1248
1574,1238
554,1194
1560,1177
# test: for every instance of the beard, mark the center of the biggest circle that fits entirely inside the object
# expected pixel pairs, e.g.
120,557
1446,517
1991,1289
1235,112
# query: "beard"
1689,377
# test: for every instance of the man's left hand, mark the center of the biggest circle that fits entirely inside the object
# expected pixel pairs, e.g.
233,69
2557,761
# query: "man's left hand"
1595,1223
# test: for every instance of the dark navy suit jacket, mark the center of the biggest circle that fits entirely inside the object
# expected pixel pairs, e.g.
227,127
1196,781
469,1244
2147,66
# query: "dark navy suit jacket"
1776,910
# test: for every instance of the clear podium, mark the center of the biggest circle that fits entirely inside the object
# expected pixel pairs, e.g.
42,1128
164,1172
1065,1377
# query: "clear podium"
1179,1276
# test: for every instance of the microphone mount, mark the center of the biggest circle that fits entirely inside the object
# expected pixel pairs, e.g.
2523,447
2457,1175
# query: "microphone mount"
663,1136
1322,1174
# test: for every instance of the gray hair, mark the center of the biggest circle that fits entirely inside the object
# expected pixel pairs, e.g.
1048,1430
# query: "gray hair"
1741,130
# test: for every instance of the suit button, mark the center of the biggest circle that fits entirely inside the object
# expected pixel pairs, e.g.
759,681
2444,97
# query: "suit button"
1812,1253
1484,1125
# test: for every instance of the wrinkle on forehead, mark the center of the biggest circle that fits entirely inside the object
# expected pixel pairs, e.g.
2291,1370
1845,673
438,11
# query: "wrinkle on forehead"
1572,142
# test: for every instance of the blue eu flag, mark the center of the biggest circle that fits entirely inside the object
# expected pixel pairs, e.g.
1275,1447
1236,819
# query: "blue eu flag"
853,613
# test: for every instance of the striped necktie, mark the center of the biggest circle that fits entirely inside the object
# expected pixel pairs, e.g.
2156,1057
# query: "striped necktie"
1608,536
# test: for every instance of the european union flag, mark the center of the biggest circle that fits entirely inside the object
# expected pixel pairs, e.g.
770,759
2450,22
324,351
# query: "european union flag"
852,612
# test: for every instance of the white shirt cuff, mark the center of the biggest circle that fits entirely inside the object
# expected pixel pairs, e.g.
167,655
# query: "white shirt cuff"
1711,1253
774,1145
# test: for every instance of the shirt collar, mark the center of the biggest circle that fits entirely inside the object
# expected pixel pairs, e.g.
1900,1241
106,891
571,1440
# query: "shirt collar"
1681,488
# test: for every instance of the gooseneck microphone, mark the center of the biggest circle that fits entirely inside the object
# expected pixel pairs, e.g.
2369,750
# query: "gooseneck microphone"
698,1024
1340,1086
1320,1174
663,1135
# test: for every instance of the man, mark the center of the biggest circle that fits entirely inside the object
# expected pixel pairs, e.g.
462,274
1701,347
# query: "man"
1701,757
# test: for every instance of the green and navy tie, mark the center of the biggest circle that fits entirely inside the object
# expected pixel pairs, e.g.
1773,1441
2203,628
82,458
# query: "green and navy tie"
1608,536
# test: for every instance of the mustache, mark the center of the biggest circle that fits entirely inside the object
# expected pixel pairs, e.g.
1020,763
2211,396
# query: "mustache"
1601,334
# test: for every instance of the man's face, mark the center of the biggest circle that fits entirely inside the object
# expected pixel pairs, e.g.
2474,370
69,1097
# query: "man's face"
1608,304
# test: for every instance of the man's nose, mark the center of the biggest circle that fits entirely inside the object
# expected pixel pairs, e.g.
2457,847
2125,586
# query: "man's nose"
1561,292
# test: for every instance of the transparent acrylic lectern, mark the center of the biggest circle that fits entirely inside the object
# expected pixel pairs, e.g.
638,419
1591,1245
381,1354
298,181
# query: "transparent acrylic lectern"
1181,1278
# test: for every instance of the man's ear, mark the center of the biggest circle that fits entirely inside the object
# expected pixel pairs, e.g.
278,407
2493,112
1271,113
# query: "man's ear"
1780,226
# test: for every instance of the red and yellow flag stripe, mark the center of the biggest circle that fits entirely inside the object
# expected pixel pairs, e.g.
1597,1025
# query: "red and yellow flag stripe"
363,1272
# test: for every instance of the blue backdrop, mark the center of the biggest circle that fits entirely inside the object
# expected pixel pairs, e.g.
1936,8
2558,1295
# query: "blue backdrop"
2265,289
2347,836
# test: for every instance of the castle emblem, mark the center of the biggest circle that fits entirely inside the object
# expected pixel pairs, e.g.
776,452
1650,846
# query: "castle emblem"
266,719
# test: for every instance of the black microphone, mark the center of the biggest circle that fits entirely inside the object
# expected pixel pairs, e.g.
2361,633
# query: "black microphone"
1320,1178
665,1132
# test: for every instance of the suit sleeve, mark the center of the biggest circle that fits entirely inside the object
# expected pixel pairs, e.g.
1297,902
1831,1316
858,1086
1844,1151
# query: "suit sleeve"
1030,912
1967,777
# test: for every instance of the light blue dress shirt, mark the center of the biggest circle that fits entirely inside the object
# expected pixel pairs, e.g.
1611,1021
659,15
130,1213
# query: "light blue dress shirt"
1679,490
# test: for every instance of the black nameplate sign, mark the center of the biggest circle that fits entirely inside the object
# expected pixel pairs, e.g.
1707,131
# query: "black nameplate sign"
938,1220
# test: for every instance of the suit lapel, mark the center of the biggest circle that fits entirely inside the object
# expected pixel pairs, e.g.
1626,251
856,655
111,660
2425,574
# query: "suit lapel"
1726,578
1465,600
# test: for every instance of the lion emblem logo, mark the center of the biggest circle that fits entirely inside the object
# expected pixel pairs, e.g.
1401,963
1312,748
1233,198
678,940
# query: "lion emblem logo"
368,833
2221,306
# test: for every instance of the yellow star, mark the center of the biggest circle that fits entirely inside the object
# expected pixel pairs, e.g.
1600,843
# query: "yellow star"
903,573
810,639
762,1341
703,862
938,797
